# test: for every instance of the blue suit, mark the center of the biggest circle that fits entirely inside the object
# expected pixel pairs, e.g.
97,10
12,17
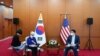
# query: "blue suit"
32,41
77,42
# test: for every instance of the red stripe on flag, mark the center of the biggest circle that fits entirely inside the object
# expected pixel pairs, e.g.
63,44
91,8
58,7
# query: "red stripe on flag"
67,30
64,30
63,38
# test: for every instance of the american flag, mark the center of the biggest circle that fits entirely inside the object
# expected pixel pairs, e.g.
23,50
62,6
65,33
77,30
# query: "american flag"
65,30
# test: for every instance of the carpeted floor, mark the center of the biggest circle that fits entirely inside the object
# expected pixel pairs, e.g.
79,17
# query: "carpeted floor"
5,44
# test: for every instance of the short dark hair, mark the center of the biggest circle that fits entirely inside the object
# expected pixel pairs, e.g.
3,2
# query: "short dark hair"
19,31
73,30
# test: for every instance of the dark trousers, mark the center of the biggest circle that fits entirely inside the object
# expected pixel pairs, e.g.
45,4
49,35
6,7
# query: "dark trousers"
69,48
34,50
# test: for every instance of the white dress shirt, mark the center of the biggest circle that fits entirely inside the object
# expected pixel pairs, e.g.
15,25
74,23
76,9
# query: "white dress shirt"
73,40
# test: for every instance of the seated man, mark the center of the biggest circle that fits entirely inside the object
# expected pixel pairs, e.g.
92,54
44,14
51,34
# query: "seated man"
72,42
31,43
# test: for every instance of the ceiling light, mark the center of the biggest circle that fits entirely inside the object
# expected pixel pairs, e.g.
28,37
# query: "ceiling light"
2,2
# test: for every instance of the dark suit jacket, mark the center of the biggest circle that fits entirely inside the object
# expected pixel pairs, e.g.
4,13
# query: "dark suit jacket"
15,41
77,40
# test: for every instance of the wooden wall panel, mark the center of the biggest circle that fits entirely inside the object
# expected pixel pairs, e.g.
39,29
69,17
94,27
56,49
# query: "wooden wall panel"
5,27
7,31
28,12
5,24
1,27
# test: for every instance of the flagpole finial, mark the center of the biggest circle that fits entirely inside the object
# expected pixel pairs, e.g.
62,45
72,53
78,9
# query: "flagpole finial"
40,17
65,16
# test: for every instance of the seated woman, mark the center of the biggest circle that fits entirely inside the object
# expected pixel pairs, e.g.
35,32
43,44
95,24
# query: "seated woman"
31,43
16,43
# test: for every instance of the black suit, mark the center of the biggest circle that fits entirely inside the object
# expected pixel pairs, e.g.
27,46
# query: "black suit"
77,42
15,41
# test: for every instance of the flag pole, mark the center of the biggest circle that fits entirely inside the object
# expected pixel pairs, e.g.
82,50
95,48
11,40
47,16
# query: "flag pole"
67,18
